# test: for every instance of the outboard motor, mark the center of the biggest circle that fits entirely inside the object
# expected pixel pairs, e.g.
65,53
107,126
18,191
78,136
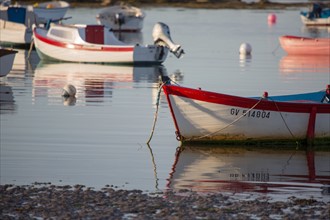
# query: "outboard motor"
119,19
161,35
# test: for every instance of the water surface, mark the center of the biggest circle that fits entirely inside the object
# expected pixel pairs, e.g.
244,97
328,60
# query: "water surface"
100,137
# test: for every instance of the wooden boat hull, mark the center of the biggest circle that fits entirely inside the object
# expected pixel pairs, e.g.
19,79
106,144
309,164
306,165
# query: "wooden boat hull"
206,116
79,51
294,45
6,61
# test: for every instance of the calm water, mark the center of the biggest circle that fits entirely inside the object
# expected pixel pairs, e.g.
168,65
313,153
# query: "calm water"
100,137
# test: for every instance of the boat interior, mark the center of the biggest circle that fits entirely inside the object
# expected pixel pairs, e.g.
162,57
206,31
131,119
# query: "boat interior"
93,34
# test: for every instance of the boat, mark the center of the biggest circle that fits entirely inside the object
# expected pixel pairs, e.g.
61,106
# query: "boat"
96,44
296,45
16,25
244,170
121,17
7,57
204,116
52,10
318,15
5,2
16,21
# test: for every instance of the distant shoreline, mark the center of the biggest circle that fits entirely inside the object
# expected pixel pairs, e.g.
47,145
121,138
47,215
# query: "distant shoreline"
197,5
224,5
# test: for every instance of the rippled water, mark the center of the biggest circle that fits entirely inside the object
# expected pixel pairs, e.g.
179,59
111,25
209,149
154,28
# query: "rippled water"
100,137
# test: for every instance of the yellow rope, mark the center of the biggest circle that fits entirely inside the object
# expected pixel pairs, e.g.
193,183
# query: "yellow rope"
228,124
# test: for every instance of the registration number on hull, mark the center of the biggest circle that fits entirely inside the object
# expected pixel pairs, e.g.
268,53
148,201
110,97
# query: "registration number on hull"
251,113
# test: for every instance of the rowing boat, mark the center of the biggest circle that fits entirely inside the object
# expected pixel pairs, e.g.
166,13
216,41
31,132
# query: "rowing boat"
204,116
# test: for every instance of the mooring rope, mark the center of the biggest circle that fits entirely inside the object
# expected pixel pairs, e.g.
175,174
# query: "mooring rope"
286,125
154,165
237,119
255,105
156,113
30,50
278,46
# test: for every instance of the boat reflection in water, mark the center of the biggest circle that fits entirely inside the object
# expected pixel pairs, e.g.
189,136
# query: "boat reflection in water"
130,37
94,82
239,170
316,31
24,63
304,64
245,61
7,102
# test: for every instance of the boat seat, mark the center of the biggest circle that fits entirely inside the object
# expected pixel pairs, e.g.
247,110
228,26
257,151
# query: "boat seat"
94,34
16,14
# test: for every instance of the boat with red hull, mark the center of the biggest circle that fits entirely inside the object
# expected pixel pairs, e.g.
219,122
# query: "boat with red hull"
204,116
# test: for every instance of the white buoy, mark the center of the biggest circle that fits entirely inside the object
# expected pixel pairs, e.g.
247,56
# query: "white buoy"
69,91
245,48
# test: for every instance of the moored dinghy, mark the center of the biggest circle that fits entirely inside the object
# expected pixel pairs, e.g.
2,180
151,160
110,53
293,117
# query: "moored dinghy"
16,25
318,15
121,17
214,117
52,10
295,45
6,61
95,44
16,21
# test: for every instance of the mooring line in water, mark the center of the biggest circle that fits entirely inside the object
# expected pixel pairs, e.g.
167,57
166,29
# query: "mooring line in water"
286,125
156,113
30,50
278,46
154,165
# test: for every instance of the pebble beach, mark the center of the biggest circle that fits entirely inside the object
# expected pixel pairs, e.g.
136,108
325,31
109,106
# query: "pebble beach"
47,201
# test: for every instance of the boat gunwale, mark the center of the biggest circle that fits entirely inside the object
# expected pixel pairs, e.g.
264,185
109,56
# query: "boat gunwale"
86,46
246,102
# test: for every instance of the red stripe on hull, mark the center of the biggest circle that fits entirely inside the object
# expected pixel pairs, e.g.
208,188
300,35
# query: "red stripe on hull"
266,104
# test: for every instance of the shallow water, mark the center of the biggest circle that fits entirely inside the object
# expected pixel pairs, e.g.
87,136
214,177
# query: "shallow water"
100,137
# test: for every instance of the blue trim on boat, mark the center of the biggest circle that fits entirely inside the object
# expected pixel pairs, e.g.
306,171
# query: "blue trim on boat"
325,13
313,97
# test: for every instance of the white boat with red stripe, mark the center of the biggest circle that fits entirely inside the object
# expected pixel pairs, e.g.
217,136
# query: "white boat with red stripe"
97,44
205,116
